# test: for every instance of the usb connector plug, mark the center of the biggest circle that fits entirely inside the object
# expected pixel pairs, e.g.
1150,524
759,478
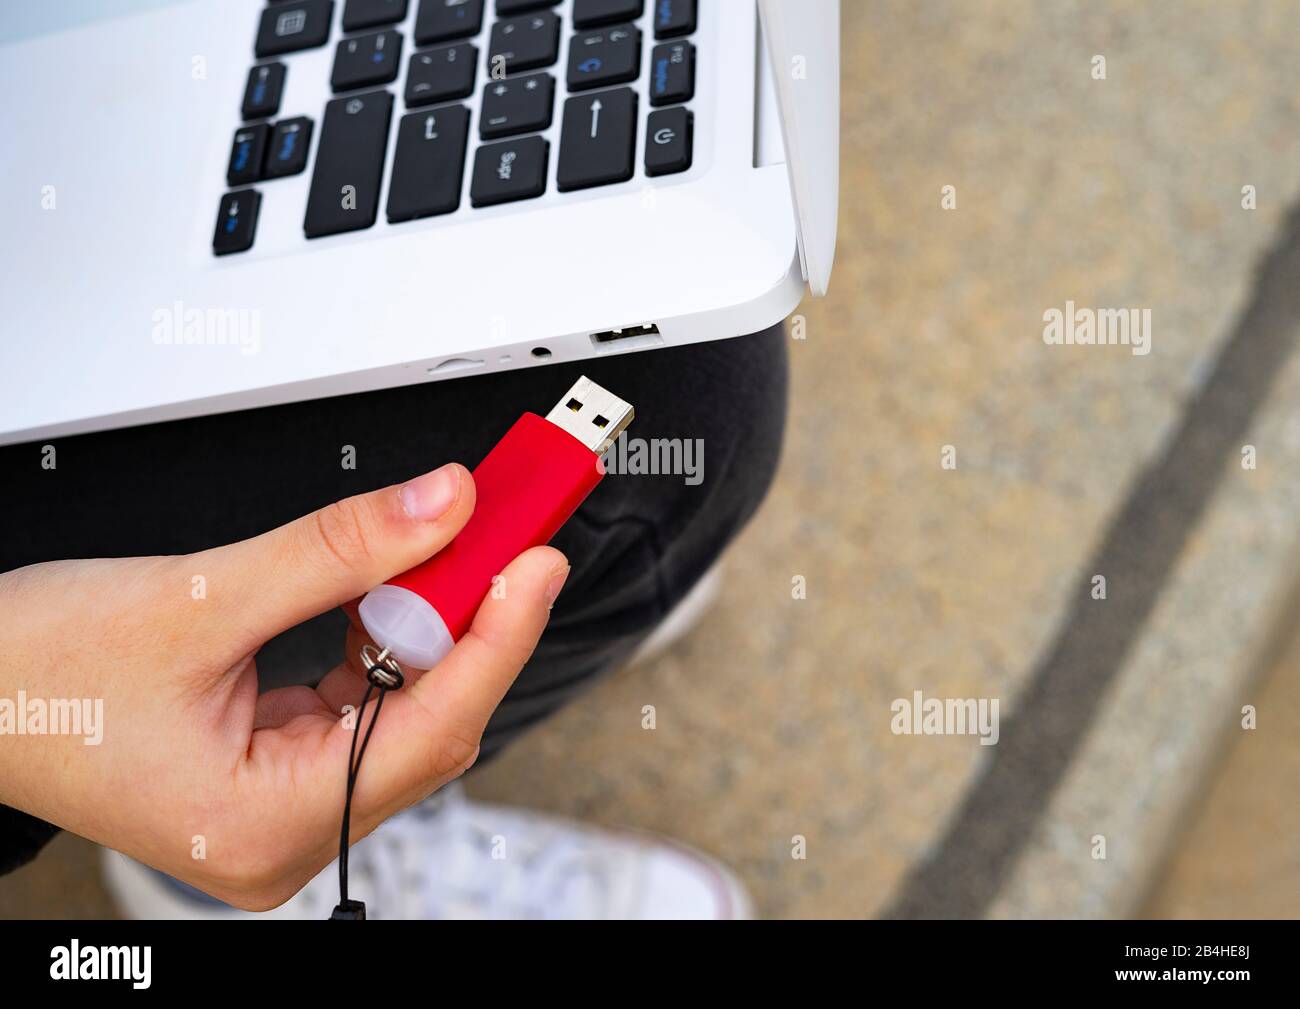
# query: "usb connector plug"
595,416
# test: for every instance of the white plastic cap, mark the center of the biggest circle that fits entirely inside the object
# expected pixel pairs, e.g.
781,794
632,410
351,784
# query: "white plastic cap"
406,625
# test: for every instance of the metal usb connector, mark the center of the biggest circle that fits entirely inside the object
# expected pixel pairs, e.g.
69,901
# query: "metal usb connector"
595,416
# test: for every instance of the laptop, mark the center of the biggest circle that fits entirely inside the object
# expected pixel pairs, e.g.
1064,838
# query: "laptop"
214,205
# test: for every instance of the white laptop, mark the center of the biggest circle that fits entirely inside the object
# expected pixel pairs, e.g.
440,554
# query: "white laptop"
213,205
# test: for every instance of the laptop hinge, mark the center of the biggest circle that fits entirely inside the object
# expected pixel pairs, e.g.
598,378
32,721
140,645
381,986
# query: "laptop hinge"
803,46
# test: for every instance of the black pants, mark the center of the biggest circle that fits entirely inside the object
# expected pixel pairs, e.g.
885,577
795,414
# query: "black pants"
636,546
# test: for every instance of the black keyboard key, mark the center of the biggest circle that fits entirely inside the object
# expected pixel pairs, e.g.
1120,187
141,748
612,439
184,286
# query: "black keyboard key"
594,13
597,139
289,27
440,75
668,141
247,152
289,143
263,91
672,73
517,105
366,60
509,170
349,164
673,18
444,20
236,222
608,56
360,14
508,7
429,163
525,43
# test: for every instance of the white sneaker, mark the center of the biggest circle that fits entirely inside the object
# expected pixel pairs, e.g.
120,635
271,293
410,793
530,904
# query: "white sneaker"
452,858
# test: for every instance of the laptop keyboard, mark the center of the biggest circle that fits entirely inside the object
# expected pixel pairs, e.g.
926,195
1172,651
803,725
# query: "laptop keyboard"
523,89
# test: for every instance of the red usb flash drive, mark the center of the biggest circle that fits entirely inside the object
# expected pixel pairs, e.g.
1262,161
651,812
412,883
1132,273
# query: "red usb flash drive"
527,487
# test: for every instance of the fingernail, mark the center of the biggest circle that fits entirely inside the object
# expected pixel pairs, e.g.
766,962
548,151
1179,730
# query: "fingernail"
428,497
555,584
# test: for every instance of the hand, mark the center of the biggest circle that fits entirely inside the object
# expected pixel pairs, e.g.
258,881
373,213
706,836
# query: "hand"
192,762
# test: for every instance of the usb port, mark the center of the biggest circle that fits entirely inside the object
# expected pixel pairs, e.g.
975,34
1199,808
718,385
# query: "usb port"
630,338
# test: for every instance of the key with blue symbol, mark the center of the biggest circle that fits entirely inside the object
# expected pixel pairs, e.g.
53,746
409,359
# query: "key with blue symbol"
263,90
236,222
247,152
607,56
366,60
674,18
288,152
672,73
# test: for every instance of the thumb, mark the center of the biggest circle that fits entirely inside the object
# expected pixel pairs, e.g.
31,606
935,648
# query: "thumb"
281,578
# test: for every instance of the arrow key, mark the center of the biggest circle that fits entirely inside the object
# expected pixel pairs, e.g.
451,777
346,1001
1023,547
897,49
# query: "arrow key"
597,139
